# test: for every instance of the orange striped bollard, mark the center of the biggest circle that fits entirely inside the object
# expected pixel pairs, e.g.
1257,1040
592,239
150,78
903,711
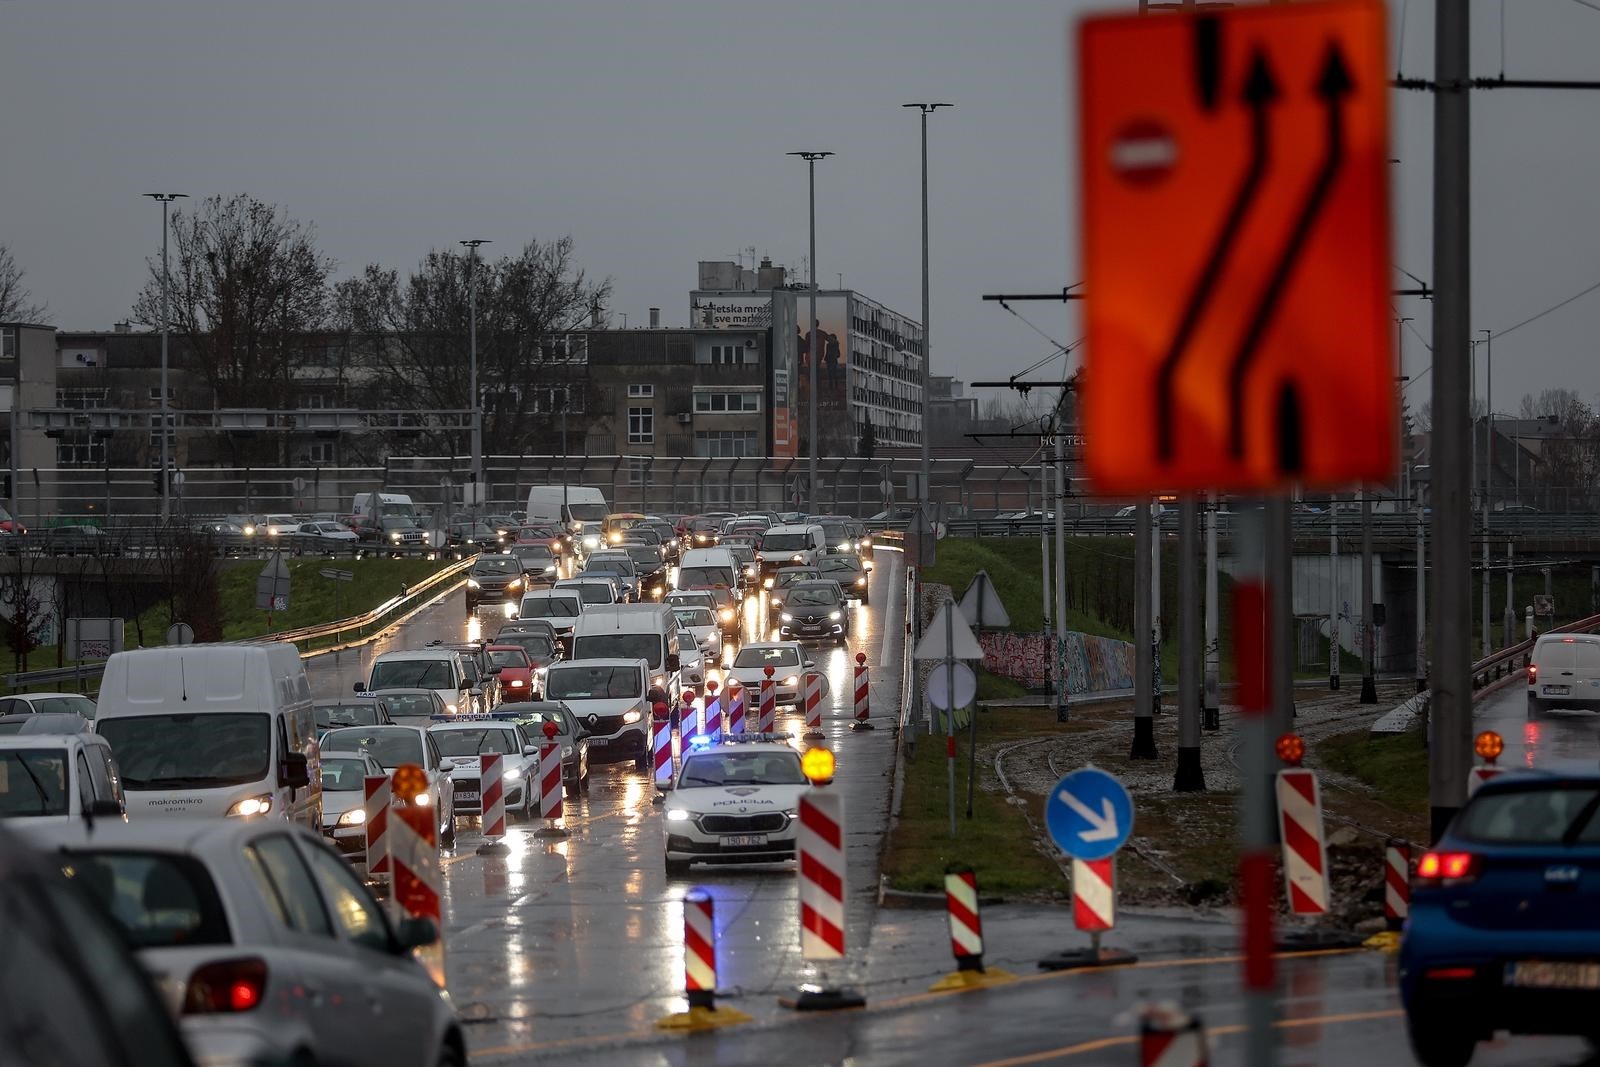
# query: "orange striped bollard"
414,862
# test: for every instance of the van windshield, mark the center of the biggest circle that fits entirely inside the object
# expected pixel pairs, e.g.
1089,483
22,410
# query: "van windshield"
190,751
594,683
691,577
586,512
412,674
33,781
620,646
786,542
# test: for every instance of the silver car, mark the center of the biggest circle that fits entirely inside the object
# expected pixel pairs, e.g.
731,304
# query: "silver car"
268,948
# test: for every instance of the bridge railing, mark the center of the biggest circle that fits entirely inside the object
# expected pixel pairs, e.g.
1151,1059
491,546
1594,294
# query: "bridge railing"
1515,657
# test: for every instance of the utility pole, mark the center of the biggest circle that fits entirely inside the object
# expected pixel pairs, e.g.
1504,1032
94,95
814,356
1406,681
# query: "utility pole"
1334,600
475,476
1280,612
1144,675
1156,508
1488,481
1450,709
1422,597
1045,588
1061,571
166,403
925,495
1511,615
1190,776
1213,706
1369,666
813,343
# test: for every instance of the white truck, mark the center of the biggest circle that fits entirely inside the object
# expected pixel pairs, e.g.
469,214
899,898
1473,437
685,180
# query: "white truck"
579,508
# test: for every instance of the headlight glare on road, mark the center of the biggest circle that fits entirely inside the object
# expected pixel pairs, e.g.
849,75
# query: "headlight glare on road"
678,815
353,817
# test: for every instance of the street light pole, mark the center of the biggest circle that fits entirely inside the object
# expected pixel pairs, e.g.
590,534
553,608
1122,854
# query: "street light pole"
166,288
1488,480
812,353
925,494
475,475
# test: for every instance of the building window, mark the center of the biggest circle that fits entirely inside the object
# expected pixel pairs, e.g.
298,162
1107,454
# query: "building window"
82,399
320,452
8,343
641,392
155,430
724,444
728,355
80,453
551,398
155,394
641,426
719,403
312,401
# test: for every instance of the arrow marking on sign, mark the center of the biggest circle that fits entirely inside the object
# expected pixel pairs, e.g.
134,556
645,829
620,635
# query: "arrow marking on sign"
1333,85
1103,827
1260,92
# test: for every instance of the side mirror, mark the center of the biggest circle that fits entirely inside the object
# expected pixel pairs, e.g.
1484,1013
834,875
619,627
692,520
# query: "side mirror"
360,687
102,807
414,933
296,773
530,750
496,670
477,692
810,663
465,685
674,662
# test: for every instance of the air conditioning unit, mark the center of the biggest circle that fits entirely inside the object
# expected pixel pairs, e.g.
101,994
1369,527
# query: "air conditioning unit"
685,418
749,342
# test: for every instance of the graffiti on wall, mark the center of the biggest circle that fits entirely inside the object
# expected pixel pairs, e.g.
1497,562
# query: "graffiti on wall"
1093,664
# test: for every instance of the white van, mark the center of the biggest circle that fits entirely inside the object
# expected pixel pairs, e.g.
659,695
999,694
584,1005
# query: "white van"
790,546
213,730
439,669
579,508
559,607
58,778
715,569
388,505
1564,672
632,631
610,698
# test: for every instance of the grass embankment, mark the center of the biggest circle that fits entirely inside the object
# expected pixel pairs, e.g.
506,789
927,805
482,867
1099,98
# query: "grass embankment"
997,842
1396,767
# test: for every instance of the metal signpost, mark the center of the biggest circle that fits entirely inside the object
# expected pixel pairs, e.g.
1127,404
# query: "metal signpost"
1089,816
948,639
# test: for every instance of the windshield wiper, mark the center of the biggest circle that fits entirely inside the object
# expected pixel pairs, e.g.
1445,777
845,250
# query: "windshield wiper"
44,797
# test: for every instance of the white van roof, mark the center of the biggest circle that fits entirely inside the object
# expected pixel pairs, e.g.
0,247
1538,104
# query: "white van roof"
708,557
204,677
794,527
566,664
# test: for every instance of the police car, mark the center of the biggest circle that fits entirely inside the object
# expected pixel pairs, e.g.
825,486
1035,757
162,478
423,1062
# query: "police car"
462,741
734,802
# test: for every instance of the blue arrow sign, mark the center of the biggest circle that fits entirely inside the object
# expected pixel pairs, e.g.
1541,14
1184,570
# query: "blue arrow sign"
1089,814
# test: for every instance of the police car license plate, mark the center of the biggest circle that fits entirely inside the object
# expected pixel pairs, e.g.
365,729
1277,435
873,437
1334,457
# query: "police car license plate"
744,840
467,794
1549,974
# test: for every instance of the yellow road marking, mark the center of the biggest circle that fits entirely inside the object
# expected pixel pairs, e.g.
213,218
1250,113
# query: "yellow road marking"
1101,1043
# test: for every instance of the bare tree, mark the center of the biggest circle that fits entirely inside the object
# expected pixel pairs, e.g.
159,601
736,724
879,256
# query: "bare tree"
1569,450
248,284
25,614
16,302
414,338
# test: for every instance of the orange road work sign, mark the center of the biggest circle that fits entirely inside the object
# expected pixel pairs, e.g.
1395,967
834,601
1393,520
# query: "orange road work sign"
1236,248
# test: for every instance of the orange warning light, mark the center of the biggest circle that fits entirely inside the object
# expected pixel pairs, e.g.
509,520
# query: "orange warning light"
1291,748
1488,745
410,781
817,764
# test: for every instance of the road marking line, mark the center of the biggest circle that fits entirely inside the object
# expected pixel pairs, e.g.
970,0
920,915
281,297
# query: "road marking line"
1101,1043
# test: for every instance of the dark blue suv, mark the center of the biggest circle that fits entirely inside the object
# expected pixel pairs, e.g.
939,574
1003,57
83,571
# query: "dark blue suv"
1504,931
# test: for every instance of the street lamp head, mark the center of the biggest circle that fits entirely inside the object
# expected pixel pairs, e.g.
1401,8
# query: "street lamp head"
476,241
810,156
928,107
167,198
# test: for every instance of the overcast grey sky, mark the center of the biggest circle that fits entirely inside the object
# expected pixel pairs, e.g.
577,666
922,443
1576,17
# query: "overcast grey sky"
655,134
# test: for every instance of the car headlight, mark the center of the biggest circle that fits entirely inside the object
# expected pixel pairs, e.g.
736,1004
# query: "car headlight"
472,583
551,569
658,681
767,584
861,580
844,546
514,584
786,617
616,539
750,570
591,541
511,774
251,806
797,558
726,614
395,536
423,800
793,679
515,683
541,671
249,531
353,817
834,615
678,815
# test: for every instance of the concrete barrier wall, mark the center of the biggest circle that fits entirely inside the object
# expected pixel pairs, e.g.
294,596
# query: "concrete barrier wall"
1093,664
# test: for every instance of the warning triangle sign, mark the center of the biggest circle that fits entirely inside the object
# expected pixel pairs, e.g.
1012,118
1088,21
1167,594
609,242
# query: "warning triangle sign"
981,605
948,635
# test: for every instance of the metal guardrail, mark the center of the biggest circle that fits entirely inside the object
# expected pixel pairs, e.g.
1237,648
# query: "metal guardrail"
1515,657
311,640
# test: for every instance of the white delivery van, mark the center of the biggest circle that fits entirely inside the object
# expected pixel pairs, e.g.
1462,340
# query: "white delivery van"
790,546
715,570
610,698
632,631
1564,672
579,508
441,669
213,730
387,505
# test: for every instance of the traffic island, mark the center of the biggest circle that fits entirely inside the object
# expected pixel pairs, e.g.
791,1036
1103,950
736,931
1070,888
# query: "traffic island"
701,1018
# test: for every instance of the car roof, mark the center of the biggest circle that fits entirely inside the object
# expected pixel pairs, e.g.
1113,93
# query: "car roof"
403,690
436,652
375,726
769,644
48,740
163,835
474,721
613,662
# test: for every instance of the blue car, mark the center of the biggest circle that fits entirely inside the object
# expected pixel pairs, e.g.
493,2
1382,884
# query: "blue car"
1504,932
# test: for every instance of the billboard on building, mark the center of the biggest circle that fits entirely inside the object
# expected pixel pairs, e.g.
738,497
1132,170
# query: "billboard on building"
835,427
729,312
785,335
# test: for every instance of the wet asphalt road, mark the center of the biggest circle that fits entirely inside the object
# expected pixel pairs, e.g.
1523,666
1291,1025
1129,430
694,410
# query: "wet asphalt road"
570,951
1560,739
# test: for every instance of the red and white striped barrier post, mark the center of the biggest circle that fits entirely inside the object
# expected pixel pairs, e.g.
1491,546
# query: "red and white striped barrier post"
376,801
549,773
966,934
769,703
661,747
414,862
492,792
733,697
1488,745
700,969
1396,883
1171,1037
688,721
1305,851
820,851
1094,912
713,712
812,682
863,699
1481,773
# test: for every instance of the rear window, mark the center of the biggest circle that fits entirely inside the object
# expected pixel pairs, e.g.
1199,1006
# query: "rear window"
343,775
390,746
63,705
412,674
551,607
1561,655
158,900
507,657
33,781
331,717
1532,817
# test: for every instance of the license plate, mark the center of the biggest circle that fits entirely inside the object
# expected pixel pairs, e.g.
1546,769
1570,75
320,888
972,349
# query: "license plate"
473,797
1557,690
599,742
744,840
1546,974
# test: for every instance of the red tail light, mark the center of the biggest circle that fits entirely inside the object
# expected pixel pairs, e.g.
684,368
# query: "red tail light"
226,986
1447,867
1533,673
